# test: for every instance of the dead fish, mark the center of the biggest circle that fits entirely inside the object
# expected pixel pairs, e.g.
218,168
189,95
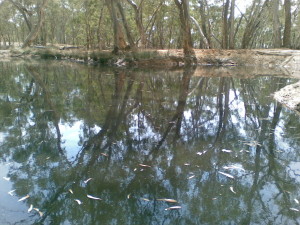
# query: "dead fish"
227,175
11,192
6,178
231,189
78,201
191,177
104,154
41,214
173,207
167,200
86,181
227,151
92,197
296,200
24,198
294,209
145,199
70,190
143,165
30,209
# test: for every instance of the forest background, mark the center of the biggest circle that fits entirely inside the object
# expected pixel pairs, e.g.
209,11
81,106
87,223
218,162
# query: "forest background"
158,24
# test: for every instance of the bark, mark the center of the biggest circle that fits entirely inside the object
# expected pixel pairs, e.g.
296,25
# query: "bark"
36,29
288,24
276,24
187,42
138,17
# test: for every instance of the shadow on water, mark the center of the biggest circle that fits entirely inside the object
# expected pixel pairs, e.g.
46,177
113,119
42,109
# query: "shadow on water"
139,140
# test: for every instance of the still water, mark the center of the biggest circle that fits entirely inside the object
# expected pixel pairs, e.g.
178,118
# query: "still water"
87,145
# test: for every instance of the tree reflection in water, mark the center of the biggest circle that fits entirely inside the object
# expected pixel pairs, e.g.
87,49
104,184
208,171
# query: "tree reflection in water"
144,136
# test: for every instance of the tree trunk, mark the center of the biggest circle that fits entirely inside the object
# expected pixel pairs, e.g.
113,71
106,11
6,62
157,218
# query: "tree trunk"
139,22
253,23
187,42
276,24
206,44
35,30
126,26
225,25
231,25
119,38
288,24
205,24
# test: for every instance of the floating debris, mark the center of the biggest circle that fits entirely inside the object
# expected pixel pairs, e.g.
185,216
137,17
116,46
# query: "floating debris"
92,197
104,154
231,189
86,181
11,192
294,209
24,198
227,175
30,209
6,178
78,201
187,164
173,207
167,200
128,196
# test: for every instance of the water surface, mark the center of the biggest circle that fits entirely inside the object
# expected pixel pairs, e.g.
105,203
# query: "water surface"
220,147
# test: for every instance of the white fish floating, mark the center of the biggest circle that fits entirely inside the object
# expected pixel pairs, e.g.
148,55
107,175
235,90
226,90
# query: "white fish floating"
294,209
92,197
227,151
167,200
296,200
227,175
88,180
70,190
11,192
24,198
78,201
143,165
191,177
231,189
41,214
6,178
173,208
145,199
201,153
30,209
233,167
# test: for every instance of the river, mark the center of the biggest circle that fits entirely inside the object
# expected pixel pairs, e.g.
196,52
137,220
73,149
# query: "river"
91,145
